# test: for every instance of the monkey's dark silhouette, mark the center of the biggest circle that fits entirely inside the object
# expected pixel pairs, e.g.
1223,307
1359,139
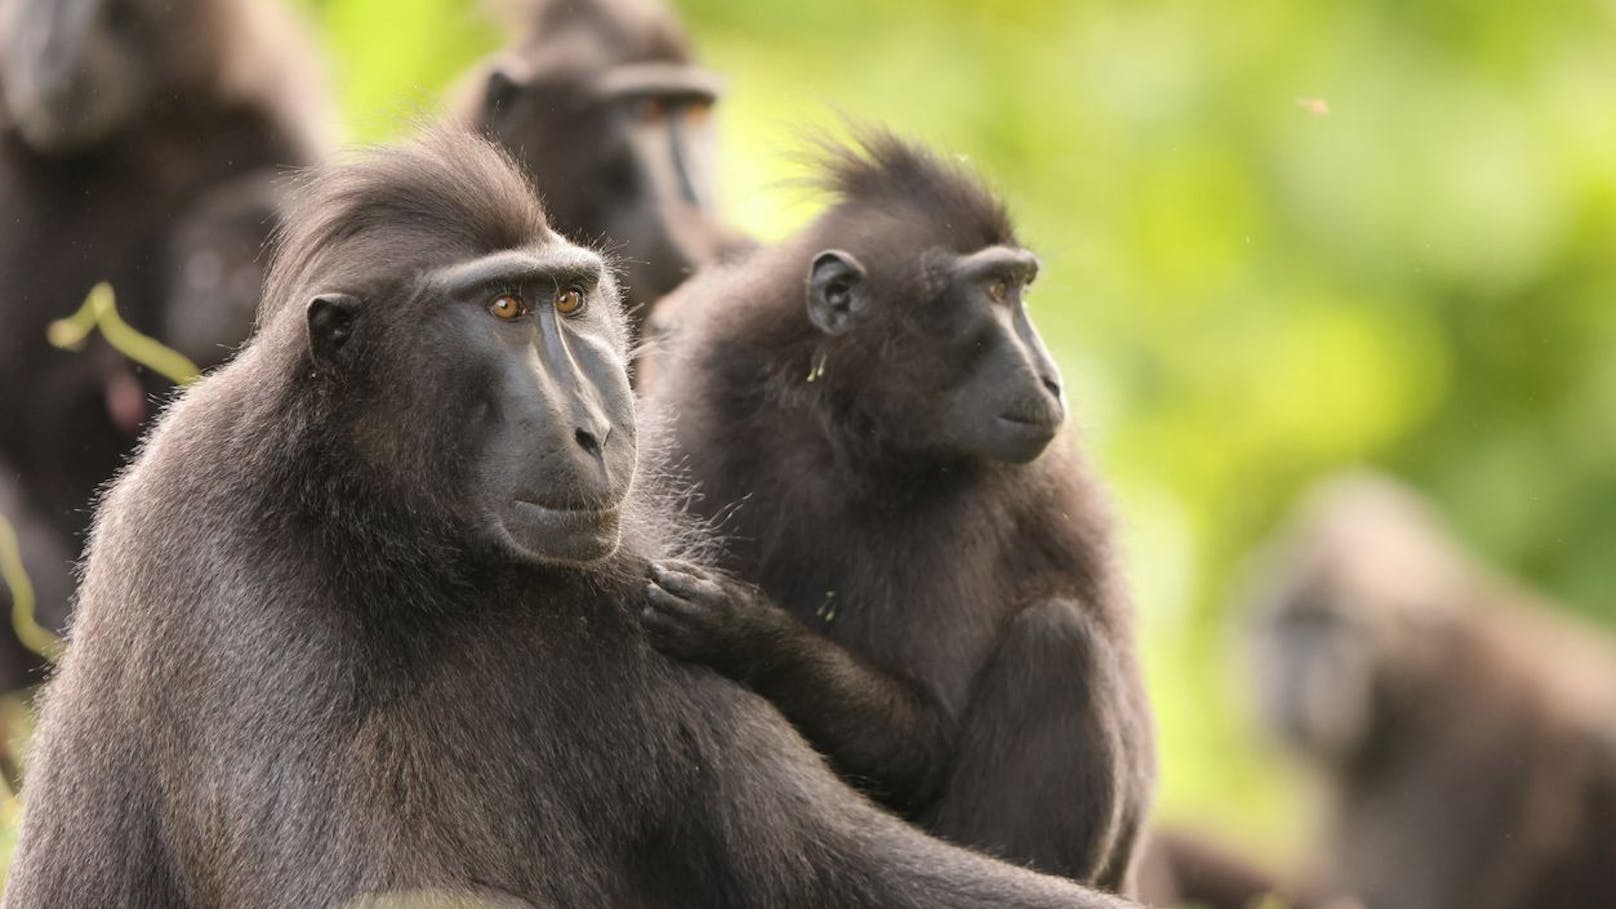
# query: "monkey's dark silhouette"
867,412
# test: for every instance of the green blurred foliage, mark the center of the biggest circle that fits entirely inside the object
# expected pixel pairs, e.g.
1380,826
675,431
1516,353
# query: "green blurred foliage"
1278,238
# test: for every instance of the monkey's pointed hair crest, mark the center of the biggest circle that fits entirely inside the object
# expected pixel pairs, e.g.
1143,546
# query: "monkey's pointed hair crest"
442,194
879,168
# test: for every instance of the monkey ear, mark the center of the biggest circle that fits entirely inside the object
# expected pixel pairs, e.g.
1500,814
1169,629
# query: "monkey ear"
331,322
499,93
836,294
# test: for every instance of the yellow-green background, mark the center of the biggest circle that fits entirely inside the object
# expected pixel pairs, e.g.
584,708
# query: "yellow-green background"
1243,291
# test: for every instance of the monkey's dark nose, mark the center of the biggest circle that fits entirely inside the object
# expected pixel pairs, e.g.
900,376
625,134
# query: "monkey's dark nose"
1052,385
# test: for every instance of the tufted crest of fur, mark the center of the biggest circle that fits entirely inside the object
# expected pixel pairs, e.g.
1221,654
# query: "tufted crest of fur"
878,168
447,194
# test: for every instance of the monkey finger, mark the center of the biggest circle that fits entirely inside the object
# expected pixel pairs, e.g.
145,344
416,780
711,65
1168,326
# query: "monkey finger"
675,569
669,640
672,636
672,605
686,585
659,626
684,567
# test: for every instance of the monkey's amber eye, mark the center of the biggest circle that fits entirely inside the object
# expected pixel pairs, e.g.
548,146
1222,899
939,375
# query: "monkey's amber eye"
507,307
698,112
999,290
569,301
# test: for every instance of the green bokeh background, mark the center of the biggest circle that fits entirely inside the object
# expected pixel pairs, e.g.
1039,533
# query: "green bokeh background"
1278,238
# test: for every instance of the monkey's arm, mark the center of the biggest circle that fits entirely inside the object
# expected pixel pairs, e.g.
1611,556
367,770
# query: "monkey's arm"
90,833
885,734
1055,761
792,834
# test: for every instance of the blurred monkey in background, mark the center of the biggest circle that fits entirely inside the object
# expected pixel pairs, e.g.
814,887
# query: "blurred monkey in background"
604,105
138,139
1466,731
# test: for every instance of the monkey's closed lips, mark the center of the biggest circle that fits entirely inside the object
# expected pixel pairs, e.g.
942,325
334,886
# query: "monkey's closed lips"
565,520
1034,421
566,535
1030,428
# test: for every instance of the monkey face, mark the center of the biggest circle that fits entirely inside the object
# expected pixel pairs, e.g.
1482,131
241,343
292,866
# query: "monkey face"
495,381
977,381
1316,671
1356,613
1007,403
554,410
215,270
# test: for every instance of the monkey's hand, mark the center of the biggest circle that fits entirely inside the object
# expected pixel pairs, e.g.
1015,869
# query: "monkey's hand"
704,617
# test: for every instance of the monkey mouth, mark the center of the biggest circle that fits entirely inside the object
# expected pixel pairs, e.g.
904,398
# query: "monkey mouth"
1043,422
566,516
1020,436
574,536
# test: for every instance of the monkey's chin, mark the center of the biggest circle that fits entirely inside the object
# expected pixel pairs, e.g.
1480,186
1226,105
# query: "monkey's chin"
1012,440
562,536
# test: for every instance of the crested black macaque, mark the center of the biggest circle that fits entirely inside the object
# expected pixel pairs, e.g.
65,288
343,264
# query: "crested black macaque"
119,119
363,616
603,103
867,412
1466,733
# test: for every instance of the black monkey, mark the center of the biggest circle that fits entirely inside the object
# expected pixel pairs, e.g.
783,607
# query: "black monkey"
362,618
1465,731
603,103
119,119
867,411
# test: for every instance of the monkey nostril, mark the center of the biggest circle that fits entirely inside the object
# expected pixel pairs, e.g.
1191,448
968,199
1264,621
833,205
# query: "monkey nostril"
1053,387
588,442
